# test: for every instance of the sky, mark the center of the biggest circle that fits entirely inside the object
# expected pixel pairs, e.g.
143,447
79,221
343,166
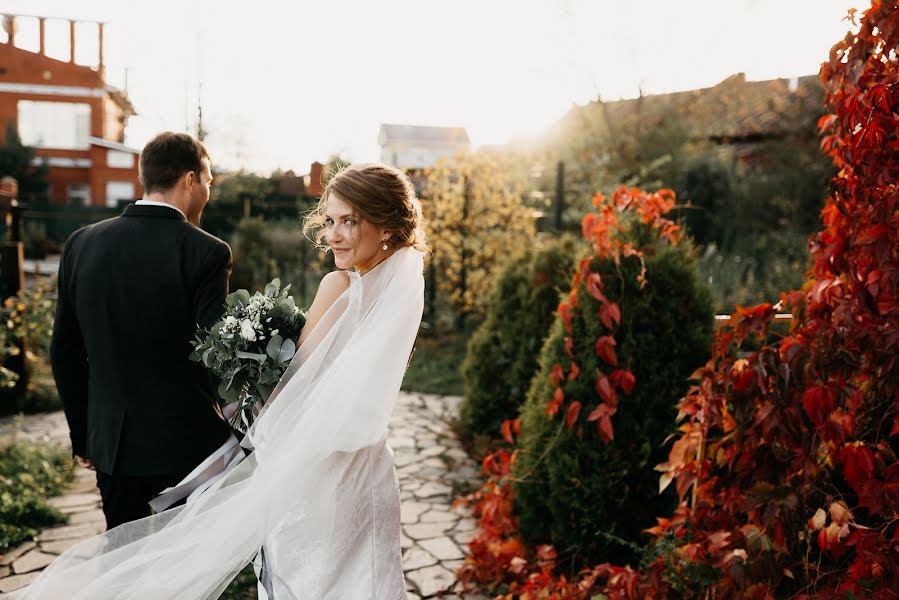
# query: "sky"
284,83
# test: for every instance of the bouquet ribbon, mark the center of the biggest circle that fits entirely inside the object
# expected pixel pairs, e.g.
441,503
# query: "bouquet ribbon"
206,474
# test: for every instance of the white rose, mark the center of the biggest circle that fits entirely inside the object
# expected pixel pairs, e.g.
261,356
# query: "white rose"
246,330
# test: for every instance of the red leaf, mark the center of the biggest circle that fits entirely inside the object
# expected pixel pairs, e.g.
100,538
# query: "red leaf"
605,316
569,347
789,347
604,426
564,315
818,403
602,414
871,234
575,371
588,224
623,379
858,464
895,429
552,407
605,349
557,375
574,410
594,287
605,389
506,430
615,312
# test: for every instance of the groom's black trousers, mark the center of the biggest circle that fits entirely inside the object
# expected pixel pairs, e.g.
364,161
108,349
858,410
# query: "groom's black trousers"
126,498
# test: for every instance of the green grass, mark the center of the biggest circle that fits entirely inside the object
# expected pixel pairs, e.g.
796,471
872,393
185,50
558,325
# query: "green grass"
29,474
435,365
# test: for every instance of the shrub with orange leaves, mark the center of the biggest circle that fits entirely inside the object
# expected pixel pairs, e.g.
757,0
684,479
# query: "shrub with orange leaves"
598,409
786,464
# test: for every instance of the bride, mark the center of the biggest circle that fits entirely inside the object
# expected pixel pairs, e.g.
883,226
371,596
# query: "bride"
318,493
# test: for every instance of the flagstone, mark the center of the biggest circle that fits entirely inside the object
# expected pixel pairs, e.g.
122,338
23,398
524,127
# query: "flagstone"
431,580
80,508
426,531
58,547
71,532
92,516
74,500
464,538
411,511
11,584
431,451
32,561
443,548
416,558
466,524
6,559
435,516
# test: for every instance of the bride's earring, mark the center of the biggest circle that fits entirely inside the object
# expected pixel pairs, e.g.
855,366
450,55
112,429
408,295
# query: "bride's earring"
384,246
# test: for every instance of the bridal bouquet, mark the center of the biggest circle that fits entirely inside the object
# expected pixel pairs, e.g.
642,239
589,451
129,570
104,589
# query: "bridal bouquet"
250,347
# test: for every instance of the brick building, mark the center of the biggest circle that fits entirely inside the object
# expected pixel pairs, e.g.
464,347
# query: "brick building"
74,120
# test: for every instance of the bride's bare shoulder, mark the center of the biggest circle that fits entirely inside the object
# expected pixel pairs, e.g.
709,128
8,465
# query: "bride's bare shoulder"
334,284
331,287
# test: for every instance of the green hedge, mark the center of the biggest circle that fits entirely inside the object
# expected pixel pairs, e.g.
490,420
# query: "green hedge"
502,353
591,499
29,474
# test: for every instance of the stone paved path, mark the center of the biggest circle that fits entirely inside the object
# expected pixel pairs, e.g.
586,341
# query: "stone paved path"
431,465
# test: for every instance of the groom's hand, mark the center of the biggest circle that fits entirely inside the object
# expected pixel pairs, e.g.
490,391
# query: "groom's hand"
86,463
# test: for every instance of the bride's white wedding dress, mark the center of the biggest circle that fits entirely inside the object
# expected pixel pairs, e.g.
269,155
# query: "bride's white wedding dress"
363,553
318,492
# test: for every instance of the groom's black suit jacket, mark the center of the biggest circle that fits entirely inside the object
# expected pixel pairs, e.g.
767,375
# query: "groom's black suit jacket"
132,290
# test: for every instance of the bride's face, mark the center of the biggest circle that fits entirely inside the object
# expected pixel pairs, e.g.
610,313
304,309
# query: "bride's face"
355,242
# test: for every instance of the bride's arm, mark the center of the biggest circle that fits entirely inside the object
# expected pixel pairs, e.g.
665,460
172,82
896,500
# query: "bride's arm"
331,287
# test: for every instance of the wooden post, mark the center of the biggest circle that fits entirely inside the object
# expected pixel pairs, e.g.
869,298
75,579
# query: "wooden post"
72,41
101,67
559,205
43,35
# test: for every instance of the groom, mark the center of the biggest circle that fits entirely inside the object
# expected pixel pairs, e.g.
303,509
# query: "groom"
132,291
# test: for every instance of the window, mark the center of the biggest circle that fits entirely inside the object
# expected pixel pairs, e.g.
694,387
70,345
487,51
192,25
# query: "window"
62,125
79,194
118,190
119,160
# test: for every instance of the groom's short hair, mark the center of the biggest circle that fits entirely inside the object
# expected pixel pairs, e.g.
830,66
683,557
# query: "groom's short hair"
167,157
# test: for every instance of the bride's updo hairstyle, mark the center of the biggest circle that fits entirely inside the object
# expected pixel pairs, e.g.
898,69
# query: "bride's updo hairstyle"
380,194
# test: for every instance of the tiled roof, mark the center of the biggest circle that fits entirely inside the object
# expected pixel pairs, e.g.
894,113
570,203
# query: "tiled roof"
407,133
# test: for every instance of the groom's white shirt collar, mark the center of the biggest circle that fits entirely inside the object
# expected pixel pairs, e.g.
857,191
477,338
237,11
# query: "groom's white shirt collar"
155,203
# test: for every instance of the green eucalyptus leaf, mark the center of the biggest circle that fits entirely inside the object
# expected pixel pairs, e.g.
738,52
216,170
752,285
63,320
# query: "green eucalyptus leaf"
206,357
288,349
238,298
271,289
228,394
273,348
260,358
